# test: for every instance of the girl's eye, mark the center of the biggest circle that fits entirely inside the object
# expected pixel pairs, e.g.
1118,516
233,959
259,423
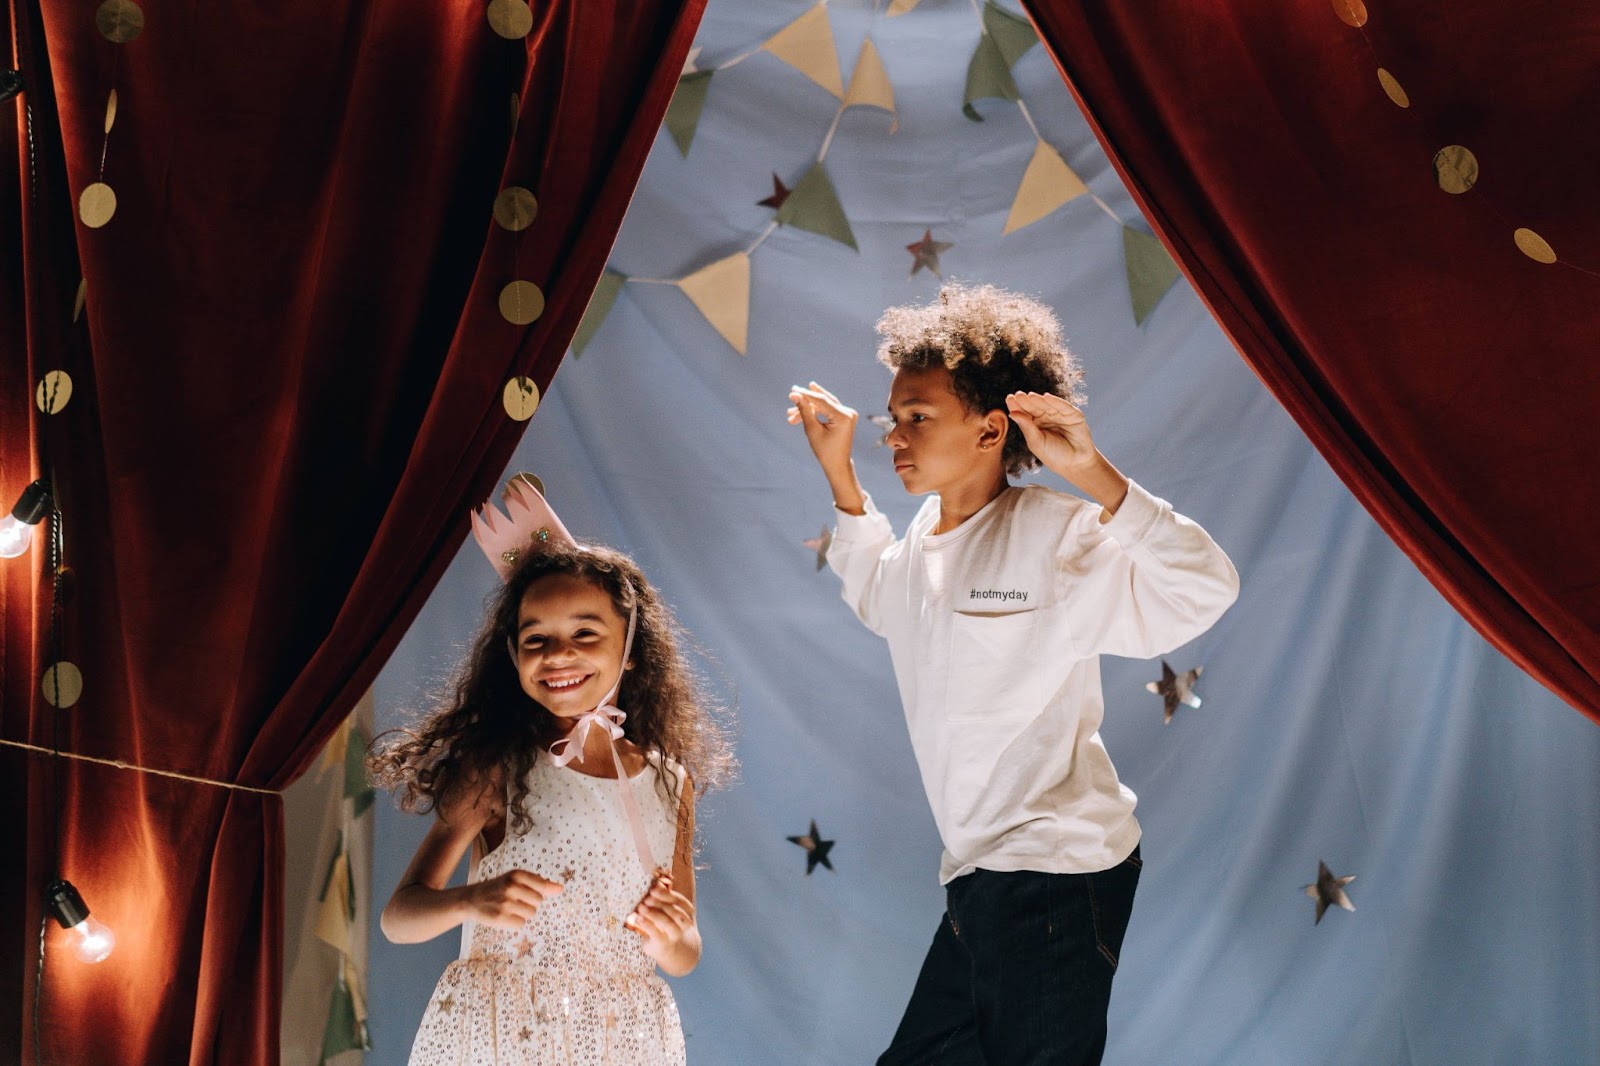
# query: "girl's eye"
917,418
586,634
533,643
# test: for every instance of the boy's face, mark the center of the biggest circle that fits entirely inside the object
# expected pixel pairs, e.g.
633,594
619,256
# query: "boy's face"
569,644
937,443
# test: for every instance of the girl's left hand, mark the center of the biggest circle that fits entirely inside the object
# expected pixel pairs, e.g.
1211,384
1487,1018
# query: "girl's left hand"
664,919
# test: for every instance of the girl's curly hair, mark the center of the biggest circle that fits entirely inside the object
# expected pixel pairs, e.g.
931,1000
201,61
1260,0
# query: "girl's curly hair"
486,728
993,342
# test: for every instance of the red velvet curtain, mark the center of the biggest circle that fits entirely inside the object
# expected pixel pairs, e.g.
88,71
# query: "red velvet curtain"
1450,377
288,392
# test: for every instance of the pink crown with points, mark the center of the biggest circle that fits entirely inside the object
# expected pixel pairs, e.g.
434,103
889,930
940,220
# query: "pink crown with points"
528,521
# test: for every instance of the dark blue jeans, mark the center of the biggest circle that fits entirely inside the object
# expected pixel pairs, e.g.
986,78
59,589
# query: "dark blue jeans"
1020,970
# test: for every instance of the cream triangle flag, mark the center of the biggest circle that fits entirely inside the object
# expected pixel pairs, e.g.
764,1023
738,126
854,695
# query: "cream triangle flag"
807,45
1046,185
721,292
869,83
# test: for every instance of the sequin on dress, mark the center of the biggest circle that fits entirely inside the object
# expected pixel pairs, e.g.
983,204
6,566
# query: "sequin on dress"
572,987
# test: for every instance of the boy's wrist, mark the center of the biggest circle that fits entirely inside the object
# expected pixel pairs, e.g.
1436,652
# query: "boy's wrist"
1099,480
848,496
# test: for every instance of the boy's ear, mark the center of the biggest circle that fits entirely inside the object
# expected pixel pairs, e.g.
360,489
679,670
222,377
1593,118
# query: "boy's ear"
996,424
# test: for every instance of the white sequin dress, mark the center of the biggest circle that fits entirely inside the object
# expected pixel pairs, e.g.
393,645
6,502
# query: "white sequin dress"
573,987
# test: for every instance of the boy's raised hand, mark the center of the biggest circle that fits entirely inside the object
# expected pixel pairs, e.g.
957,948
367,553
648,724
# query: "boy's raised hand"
1056,431
830,426
1058,436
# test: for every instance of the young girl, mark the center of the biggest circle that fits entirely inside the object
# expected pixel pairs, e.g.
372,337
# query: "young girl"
567,803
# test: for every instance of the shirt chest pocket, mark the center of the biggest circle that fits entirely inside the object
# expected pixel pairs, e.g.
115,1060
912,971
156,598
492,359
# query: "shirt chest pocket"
993,667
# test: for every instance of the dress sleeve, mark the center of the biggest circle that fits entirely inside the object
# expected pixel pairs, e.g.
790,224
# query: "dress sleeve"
856,554
1143,583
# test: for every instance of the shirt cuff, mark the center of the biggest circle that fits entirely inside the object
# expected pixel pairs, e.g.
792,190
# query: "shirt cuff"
1137,516
867,525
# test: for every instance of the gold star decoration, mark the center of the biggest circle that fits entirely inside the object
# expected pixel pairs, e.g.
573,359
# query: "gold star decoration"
611,921
1175,689
524,949
1329,890
925,253
816,848
780,193
524,1034
819,544
447,1004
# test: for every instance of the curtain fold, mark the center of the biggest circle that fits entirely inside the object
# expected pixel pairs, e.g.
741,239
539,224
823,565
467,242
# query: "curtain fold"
1391,291
289,373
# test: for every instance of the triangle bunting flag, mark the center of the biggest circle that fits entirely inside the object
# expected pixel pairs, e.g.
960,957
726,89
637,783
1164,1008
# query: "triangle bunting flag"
1046,185
600,303
814,206
1151,271
807,45
721,292
683,113
869,83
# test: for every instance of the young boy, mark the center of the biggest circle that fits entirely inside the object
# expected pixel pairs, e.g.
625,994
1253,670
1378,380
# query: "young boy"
996,605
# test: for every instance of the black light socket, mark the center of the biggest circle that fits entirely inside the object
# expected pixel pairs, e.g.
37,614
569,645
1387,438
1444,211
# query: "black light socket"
65,904
33,504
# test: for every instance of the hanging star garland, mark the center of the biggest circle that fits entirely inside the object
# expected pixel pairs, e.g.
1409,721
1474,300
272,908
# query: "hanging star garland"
816,848
1175,689
819,544
780,193
1329,890
925,253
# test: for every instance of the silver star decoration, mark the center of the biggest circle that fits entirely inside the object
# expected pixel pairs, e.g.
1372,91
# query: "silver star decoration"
819,544
1175,689
885,423
1329,890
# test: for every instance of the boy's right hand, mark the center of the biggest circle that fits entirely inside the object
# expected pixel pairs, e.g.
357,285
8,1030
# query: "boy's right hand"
830,426
508,901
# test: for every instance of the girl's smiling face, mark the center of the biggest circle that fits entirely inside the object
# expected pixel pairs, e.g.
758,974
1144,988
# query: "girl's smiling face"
568,644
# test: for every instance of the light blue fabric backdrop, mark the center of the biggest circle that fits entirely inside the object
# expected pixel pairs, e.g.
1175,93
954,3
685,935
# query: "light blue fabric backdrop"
1349,715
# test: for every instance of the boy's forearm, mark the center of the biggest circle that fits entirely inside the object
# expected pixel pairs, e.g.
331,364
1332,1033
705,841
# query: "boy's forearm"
848,495
1101,482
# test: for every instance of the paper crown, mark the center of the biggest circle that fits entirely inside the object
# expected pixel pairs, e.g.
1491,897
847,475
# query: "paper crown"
527,521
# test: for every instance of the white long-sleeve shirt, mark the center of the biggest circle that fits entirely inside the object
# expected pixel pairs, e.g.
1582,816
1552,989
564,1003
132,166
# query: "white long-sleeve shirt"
995,629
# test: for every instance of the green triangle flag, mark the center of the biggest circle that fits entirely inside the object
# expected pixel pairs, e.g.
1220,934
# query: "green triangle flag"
683,113
813,205
357,785
605,294
987,75
1151,271
343,1032
1011,34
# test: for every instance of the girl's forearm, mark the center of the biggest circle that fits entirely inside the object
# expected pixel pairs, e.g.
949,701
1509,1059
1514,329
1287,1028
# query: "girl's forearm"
416,913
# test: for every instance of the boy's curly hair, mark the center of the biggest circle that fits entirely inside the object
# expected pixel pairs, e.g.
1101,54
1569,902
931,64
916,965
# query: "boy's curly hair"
485,728
994,342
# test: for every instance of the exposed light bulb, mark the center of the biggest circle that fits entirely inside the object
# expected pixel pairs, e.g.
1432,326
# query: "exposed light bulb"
14,537
93,940
16,528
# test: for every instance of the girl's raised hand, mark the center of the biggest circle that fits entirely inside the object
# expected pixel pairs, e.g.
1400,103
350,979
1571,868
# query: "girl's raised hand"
507,901
830,426
664,919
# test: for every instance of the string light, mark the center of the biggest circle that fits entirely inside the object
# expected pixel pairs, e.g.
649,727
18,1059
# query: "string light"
16,528
93,938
